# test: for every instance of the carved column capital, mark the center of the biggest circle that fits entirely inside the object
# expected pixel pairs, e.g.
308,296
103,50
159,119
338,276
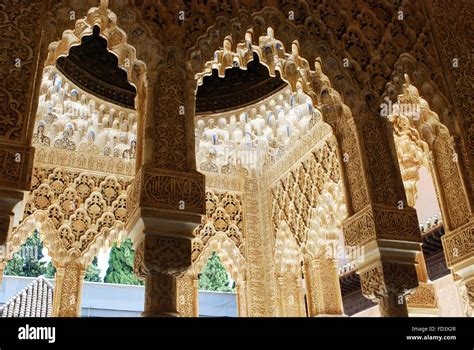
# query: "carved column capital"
377,221
16,164
470,292
171,200
459,246
388,277
167,255
388,283
160,260
423,301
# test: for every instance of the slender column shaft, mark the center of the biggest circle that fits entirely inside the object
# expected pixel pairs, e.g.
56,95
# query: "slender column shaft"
160,296
68,290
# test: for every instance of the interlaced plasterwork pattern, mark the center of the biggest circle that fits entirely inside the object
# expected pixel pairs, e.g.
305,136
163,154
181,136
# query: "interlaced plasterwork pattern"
288,260
326,222
224,213
370,34
76,213
297,192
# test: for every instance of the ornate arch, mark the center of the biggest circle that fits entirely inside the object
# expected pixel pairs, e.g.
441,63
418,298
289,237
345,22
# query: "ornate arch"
423,140
434,143
221,231
293,68
229,254
371,178
224,214
296,71
116,38
415,123
117,44
234,262
421,76
368,39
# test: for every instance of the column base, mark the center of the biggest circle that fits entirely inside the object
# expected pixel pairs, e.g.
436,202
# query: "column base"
330,315
159,313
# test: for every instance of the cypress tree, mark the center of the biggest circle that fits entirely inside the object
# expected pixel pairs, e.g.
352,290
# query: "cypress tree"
120,268
27,261
214,277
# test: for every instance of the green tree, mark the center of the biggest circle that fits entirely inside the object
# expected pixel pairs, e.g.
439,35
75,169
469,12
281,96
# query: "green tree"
28,260
93,272
50,270
120,268
214,277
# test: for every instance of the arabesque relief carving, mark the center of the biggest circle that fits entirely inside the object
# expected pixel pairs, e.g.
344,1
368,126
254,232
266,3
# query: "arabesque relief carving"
326,160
